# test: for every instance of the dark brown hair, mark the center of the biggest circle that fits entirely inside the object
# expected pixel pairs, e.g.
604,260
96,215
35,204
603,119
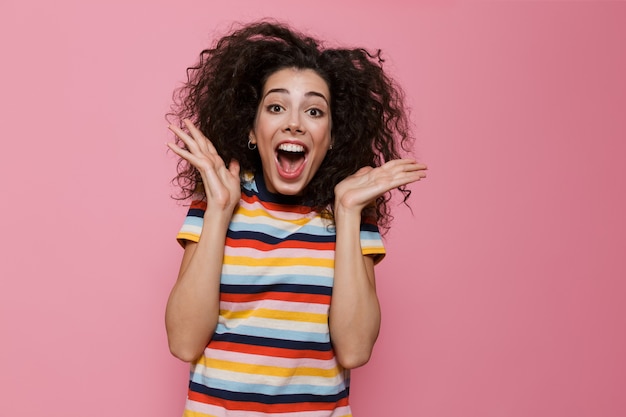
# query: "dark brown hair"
223,90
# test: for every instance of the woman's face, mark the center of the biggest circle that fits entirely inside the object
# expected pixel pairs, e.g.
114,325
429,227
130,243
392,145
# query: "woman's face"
292,129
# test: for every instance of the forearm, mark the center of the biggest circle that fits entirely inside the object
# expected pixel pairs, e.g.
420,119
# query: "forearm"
193,306
354,311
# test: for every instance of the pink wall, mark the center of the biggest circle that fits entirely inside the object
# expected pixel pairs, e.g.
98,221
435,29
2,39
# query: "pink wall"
503,294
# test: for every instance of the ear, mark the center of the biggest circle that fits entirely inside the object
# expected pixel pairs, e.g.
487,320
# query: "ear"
252,137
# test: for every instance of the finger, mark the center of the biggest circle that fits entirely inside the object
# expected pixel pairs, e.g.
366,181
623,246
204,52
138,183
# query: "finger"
415,167
177,149
199,146
185,154
201,163
408,167
234,168
215,187
382,181
189,142
406,178
394,163
204,143
412,168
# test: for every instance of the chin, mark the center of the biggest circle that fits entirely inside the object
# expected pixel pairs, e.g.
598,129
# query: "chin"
289,189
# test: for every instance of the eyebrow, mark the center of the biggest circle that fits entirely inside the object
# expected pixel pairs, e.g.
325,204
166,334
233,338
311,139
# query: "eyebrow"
307,94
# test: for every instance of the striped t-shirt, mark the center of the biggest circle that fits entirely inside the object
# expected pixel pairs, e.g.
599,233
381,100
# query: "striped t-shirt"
271,353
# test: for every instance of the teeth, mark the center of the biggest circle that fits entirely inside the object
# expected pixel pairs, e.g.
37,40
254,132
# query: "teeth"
291,147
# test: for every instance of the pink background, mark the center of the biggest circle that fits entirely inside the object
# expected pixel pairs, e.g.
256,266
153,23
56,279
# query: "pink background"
503,293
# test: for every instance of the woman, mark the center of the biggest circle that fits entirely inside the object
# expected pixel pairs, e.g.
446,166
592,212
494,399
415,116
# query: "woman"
288,151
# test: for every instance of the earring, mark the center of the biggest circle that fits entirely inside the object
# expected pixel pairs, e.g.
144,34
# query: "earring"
251,146
330,147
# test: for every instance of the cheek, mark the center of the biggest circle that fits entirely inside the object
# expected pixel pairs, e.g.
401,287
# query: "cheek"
319,158
264,129
321,132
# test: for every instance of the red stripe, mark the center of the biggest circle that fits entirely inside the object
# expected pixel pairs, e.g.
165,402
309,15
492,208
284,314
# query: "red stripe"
280,296
198,204
271,351
255,244
201,204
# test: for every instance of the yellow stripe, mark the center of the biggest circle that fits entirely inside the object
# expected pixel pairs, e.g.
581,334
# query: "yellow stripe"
267,370
305,261
276,314
373,251
187,236
189,413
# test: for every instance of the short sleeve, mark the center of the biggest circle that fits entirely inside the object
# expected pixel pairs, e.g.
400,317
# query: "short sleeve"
192,225
371,241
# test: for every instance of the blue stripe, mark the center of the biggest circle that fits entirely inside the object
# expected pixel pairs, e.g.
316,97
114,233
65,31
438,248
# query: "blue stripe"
265,399
287,288
269,234
270,342
194,221
233,279
370,235
291,389
196,212
274,333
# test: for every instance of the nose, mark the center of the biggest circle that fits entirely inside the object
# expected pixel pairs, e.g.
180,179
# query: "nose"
294,124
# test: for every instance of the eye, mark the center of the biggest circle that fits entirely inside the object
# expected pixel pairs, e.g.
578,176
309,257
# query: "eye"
315,112
274,108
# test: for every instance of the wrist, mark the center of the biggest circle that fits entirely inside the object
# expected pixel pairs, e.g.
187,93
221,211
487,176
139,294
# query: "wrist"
345,214
216,220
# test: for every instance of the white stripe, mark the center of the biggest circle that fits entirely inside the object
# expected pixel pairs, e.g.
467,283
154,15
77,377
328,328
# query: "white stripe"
273,324
314,226
289,306
277,270
190,229
274,381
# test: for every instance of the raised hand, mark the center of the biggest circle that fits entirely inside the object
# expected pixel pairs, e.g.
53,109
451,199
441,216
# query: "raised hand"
221,183
361,188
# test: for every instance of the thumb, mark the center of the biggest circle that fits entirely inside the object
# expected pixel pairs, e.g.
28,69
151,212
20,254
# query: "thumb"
233,167
363,170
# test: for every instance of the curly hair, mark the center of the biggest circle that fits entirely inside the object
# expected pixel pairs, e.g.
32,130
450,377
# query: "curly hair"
223,90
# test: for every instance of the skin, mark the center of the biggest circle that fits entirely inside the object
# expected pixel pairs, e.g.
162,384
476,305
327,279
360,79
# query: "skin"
294,108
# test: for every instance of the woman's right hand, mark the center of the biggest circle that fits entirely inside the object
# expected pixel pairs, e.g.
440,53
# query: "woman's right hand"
221,183
193,306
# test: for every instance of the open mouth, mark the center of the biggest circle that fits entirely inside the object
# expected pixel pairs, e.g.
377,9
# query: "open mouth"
291,158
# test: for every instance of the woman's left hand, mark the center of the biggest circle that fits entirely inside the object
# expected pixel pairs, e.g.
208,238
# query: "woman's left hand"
361,188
